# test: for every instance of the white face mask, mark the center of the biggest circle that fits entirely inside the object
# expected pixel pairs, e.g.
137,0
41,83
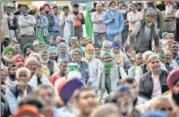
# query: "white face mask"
123,11
169,8
113,9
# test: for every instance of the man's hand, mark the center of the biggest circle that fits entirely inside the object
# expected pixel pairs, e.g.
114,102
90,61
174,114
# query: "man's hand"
38,72
112,20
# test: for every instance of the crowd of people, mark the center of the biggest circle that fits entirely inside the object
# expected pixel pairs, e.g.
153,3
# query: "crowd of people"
130,68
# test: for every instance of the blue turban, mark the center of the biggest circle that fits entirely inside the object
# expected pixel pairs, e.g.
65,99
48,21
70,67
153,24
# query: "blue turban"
116,44
53,49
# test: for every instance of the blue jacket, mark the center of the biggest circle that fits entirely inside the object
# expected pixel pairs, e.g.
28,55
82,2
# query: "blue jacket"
118,25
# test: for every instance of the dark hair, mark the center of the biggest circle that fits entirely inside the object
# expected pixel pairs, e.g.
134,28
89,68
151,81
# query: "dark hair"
65,7
134,4
76,5
34,101
94,4
55,7
25,6
129,80
63,62
19,6
41,8
11,67
112,2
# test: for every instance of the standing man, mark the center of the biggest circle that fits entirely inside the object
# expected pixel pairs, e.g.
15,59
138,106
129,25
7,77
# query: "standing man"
10,25
114,21
26,25
50,17
79,21
42,26
169,17
56,27
99,28
144,33
67,24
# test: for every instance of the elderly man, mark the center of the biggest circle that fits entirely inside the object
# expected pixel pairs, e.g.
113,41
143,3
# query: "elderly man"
120,57
37,77
144,33
114,21
8,54
94,65
63,53
18,60
154,82
18,92
84,67
110,74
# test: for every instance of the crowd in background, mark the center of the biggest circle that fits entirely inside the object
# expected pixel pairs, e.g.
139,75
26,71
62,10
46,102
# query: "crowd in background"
129,68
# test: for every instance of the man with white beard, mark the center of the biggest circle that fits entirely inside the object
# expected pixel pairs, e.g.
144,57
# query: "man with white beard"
169,22
94,65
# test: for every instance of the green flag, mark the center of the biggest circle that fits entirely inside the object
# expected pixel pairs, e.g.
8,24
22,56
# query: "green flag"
88,24
40,37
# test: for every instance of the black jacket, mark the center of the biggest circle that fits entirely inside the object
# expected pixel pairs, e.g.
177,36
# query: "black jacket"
146,84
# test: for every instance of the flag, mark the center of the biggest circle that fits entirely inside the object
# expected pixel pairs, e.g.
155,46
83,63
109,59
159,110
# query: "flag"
40,37
88,24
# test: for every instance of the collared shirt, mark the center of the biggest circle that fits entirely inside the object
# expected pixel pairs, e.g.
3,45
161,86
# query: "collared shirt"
98,27
156,86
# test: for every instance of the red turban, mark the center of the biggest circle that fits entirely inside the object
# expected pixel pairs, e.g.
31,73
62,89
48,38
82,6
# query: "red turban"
46,6
16,57
169,2
172,78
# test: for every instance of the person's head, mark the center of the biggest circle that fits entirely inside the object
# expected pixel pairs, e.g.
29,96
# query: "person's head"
42,11
133,84
44,56
89,51
12,70
162,56
47,8
75,9
163,104
8,52
32,64
107,110
17,48
169,44
66,10
18,60
139,6
154,64
86,100
150,4
53,52
62,47
116,47
169,5
3,75
106,46
146,55
24,10
123,9
55,9
8,10
47,93
107,57
150,15
124,100
97,50
133,7
73,42
168,56
28,48
120,3
169,36
85,41
94,5
77,55
173,84
35,55
63,67
99,7
23,76
139,59
112,5
175,49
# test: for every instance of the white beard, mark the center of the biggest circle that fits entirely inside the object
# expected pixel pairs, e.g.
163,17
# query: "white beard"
169,9
44,62
7,59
